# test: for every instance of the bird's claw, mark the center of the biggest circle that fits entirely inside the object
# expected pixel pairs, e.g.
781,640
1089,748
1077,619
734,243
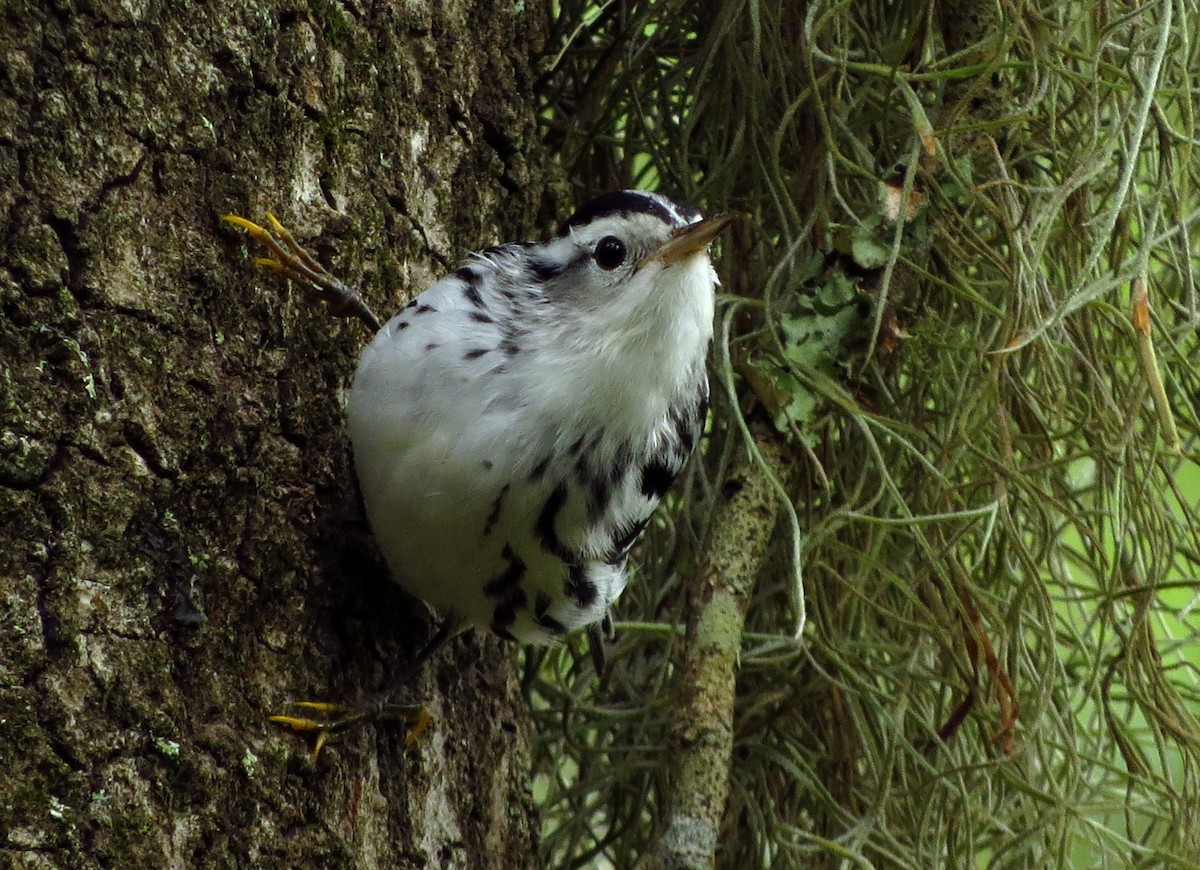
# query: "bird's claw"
292,261
336,718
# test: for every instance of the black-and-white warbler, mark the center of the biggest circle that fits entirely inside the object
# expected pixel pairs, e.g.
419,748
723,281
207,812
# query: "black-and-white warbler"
515,425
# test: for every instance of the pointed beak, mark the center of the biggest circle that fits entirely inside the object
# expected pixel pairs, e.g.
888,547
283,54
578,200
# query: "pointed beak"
689,240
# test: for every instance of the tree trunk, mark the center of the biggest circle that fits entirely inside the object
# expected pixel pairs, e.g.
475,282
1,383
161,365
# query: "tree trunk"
183,550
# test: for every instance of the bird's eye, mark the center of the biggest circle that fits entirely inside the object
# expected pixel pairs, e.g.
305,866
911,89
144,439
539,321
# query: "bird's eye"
610,253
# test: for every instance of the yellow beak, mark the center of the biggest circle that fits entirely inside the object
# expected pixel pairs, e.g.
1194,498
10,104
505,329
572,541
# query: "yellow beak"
689,240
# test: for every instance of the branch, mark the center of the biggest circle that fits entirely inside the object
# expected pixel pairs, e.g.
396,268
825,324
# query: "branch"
719,593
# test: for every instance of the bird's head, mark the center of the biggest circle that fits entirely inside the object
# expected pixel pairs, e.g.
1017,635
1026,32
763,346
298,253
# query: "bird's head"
630,252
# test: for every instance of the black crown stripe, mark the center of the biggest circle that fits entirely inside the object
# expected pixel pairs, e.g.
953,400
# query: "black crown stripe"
623,202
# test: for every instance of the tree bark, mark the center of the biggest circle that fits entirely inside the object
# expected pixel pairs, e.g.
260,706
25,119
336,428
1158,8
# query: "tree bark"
181,545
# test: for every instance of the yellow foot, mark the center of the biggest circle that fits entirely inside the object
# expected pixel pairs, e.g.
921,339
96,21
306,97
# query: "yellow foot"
336,718
292,261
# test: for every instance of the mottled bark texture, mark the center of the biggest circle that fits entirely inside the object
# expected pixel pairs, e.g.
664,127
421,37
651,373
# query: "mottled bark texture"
181,545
